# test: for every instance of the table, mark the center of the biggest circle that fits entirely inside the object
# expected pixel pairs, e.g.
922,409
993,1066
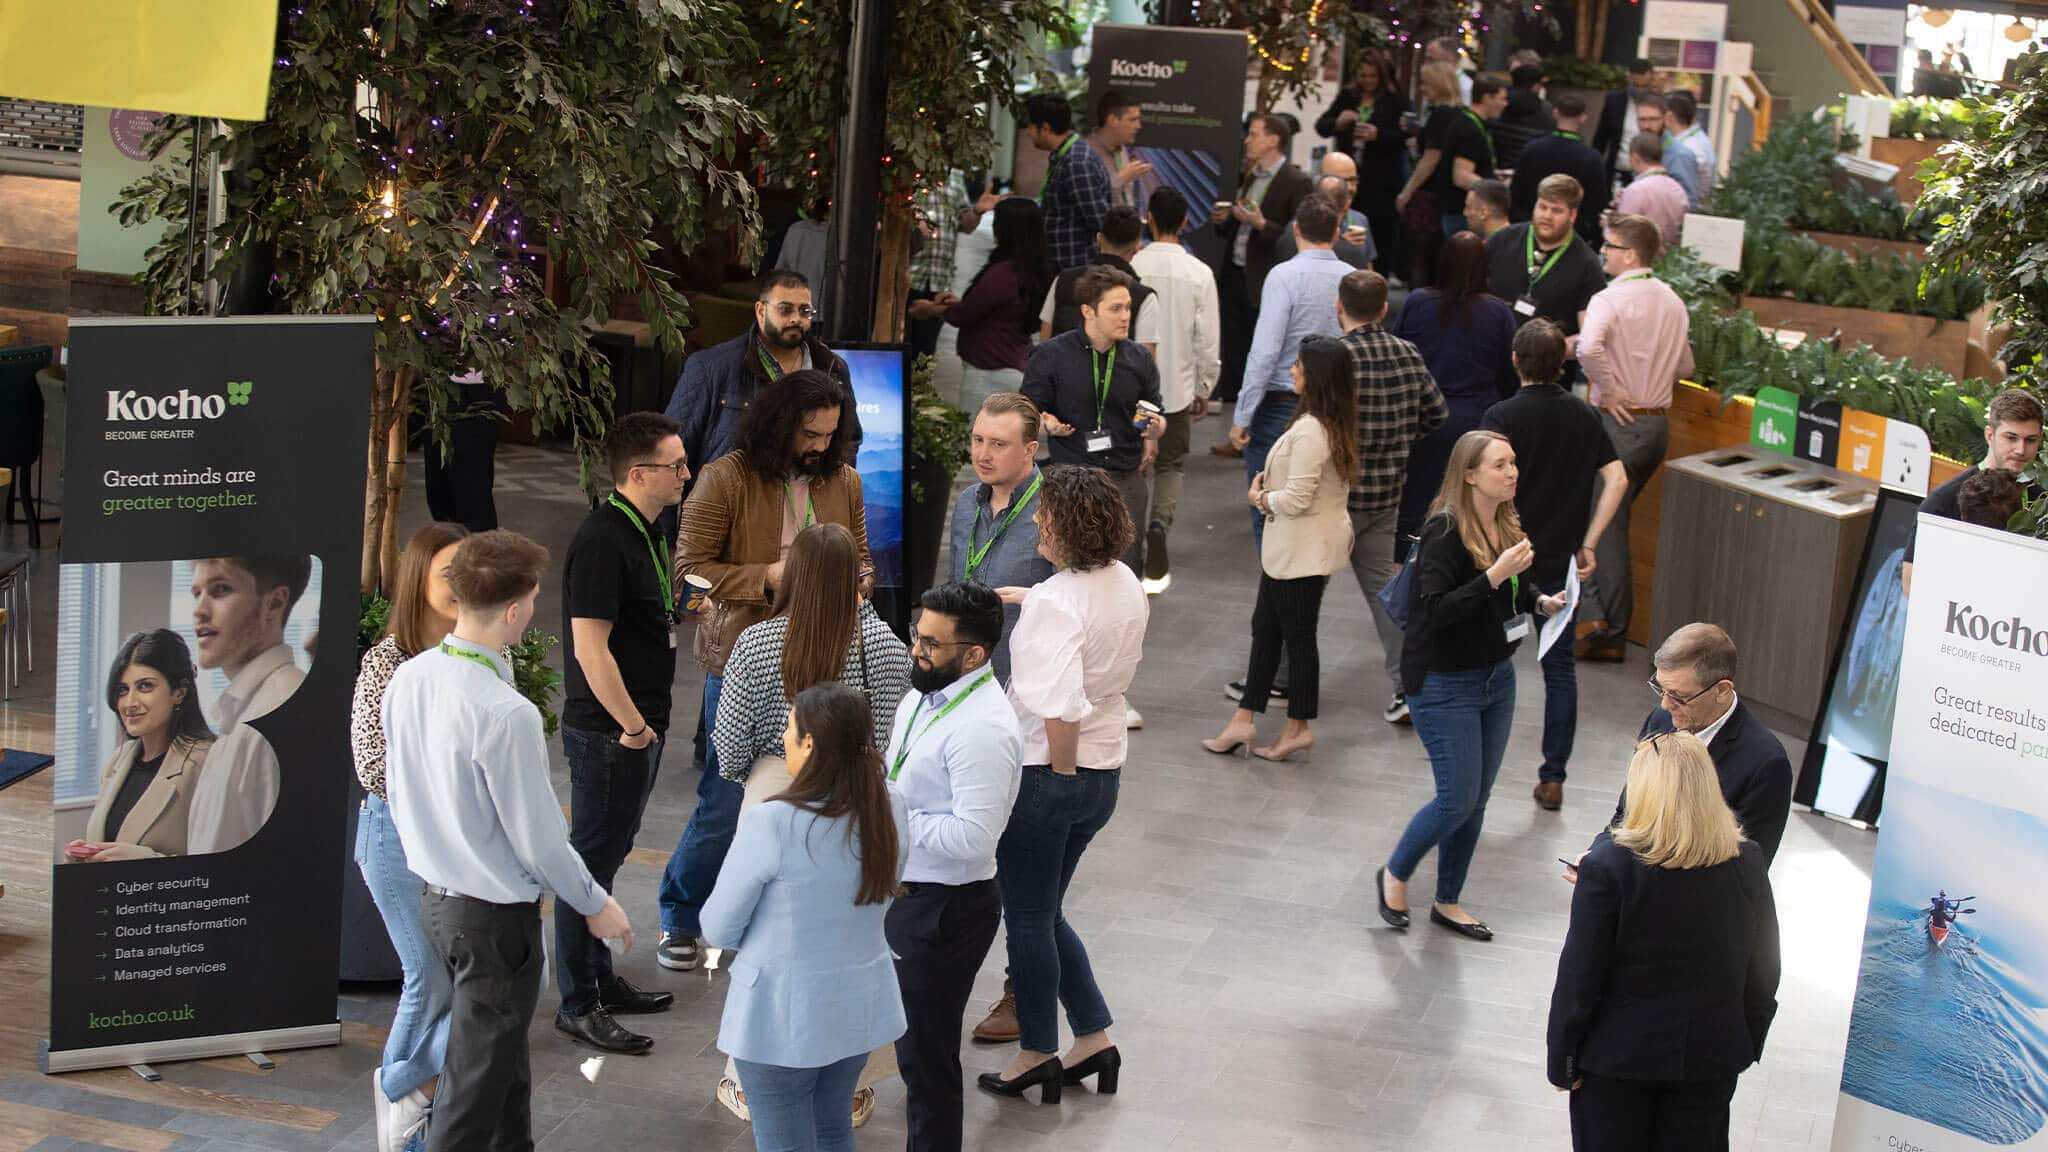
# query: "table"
9,335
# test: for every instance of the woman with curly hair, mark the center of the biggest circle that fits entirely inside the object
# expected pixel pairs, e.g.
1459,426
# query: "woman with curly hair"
1074,651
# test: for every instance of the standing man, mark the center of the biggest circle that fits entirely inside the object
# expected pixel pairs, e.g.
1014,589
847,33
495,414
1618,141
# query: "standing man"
1269,191
1337,178
1653,194
1190,360
239,608
1618,123
1468,152
1486,207
2012,442
1398,404
1527,116
466,765
1563,152
955,759
619,612
1637,343
944,214
995,533
1560,448
1692,167
1543,268
1122,231
787,471
1300,300
1077,184
1118,120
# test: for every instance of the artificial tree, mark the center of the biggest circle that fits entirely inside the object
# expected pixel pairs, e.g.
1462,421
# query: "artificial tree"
488,198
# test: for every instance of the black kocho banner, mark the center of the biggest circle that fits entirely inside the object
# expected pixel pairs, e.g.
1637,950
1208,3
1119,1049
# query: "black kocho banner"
206,655
1190,83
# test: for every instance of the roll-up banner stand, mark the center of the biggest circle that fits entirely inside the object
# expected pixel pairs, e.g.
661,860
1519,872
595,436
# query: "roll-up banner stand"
213,526
1190,84
1948,1037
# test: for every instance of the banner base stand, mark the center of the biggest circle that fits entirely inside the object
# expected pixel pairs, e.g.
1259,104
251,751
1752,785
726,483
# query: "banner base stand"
138,1056
146,1072
261,1061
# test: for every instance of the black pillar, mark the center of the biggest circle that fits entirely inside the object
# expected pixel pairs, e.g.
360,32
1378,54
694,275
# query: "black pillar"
857,188
1179,13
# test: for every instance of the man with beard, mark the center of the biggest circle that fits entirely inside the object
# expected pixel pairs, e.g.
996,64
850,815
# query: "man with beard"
955,758
1544,268
994,530
787,471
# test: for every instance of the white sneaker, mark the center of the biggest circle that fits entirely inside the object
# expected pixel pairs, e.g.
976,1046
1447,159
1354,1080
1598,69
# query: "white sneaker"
1156,587
1133,719
397,1120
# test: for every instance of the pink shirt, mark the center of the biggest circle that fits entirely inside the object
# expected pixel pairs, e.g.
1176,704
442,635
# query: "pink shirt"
1656,195
1636,342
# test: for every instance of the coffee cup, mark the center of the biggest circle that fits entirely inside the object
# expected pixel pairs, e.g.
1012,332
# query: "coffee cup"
696,592
1147,412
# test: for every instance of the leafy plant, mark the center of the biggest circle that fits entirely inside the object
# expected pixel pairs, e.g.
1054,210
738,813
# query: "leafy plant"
1791,182
534,679
1930,118
372,622
1575,72
938,429
1779,263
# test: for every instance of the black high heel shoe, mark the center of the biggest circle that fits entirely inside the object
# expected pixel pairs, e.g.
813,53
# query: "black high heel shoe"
1103,1066
1049,1074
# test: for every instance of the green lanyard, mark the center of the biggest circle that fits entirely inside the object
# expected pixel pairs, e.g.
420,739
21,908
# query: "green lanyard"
910,732
474,657
658,554
1103,372
977,553
1568,135
1058,154
1638,274
1514,591
1365,111
1536,273
1483,134
810,505
1688,134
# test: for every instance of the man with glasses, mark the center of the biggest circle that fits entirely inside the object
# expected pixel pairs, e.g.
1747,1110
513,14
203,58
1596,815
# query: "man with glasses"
1339,183
1636,344
619,613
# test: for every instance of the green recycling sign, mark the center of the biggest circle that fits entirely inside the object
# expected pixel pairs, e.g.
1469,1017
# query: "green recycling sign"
1775,421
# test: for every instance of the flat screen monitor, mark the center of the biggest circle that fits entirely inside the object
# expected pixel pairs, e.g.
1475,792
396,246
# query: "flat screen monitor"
881,387
1846,753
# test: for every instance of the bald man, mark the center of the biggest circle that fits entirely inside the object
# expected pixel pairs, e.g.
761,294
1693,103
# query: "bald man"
1338,180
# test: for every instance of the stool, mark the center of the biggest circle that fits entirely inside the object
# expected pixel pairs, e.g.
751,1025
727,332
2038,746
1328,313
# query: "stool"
16,614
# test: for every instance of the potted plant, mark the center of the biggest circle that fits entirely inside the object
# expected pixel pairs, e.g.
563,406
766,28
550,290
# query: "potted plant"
938,447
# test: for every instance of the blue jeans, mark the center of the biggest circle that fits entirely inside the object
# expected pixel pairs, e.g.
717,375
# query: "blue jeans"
418,1044
608,788
1275,413
1560,709
1463,719
1054,819
693,869
801,1109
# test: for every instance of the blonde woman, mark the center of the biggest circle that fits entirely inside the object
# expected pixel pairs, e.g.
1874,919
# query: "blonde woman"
1669,975
1472,608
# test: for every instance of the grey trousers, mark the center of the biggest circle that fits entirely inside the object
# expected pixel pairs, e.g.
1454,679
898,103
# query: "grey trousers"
1168,469
1372,561
1641,446
1135,488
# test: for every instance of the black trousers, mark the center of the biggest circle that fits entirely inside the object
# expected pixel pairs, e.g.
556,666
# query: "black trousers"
940,934
1285,615
608,788
924,334
1610,1115
1240,315
459,485
1389,245
494,957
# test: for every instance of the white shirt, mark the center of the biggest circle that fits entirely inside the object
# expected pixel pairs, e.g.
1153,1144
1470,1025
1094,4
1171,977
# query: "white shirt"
1074,653
959,777
1708,733
239,787
1186,323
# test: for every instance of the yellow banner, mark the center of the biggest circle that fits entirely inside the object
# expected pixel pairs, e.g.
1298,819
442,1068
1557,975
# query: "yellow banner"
190,57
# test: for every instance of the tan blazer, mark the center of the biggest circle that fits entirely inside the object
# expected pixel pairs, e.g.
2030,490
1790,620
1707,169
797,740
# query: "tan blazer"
1309,532
158,821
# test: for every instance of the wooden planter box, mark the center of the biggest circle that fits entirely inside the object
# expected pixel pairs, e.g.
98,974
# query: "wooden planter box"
1907,152
1943,344
1857,245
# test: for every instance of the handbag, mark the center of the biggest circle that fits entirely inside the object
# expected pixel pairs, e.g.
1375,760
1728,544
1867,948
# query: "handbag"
1421,216
1397,596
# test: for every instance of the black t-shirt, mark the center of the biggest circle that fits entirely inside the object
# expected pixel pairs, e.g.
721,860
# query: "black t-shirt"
1560,448
1456,132
1947,502
140,777
1561,293
609,575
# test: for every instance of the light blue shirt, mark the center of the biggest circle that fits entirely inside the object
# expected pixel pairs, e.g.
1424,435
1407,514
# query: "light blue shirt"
814,982
1300,299
466,767
959,778
1684,166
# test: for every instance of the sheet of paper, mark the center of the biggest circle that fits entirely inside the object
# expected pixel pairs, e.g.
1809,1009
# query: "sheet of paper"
1561,624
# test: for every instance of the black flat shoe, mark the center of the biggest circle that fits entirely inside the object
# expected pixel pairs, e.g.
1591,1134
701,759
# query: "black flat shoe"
1474,930
1048,1074
597,1029
1388,912
622,999
1104,1066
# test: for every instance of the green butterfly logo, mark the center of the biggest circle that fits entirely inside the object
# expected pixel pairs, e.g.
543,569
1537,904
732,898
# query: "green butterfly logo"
238,392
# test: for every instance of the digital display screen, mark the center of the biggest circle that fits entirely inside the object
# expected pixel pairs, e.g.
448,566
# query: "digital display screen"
881,385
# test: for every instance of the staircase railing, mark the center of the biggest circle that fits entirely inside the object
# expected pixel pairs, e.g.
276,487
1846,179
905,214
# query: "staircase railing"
1828,34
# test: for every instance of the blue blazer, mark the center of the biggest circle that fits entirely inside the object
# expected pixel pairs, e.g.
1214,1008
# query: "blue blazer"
814,982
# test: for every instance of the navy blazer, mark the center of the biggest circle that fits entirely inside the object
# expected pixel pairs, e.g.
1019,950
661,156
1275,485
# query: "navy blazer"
1756,775
1667,974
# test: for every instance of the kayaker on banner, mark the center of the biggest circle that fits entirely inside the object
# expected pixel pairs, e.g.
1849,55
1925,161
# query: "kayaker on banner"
1942,910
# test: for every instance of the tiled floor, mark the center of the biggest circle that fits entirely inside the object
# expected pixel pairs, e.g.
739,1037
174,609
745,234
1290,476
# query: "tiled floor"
1227,907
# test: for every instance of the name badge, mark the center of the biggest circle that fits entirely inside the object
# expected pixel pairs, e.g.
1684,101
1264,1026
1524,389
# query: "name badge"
671,634
1098,443
1525,307
1517,627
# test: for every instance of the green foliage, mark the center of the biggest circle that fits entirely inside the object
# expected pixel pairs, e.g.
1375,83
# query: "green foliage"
534,678
1778,263
1790,181
1572,72
372,622
938,429
588,125
1929,118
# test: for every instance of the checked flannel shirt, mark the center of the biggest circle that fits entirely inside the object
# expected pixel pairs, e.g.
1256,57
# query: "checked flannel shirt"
1398,404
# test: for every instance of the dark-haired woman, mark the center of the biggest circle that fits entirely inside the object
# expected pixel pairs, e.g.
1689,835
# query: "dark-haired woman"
999,314
1302,494
146,789
802,896
1074,651
417,1045
1365,121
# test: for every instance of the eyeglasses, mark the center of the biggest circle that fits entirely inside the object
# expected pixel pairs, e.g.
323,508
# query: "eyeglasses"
1605,247
795,311
1664,693
680,468
919,642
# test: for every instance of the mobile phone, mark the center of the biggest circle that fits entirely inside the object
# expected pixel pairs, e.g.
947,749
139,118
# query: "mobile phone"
1567,864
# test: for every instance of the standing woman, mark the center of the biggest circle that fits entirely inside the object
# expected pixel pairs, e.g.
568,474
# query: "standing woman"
421,615
1421,211
802,896
1672,920
1467,338
1365,121
999,314
1302,493
1470,612
1074,651
145,797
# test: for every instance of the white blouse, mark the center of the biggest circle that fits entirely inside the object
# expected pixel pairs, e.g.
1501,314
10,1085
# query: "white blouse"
1072,656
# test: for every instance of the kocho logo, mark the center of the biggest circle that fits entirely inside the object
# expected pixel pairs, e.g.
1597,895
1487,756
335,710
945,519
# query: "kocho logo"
1146,69
1965,620
127,405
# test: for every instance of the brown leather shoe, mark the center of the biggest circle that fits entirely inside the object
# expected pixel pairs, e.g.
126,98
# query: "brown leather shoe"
1549,795
1001,1025
1602,646
1230,450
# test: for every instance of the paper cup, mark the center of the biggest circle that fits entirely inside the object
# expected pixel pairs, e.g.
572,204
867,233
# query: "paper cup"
1147,412
696,591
